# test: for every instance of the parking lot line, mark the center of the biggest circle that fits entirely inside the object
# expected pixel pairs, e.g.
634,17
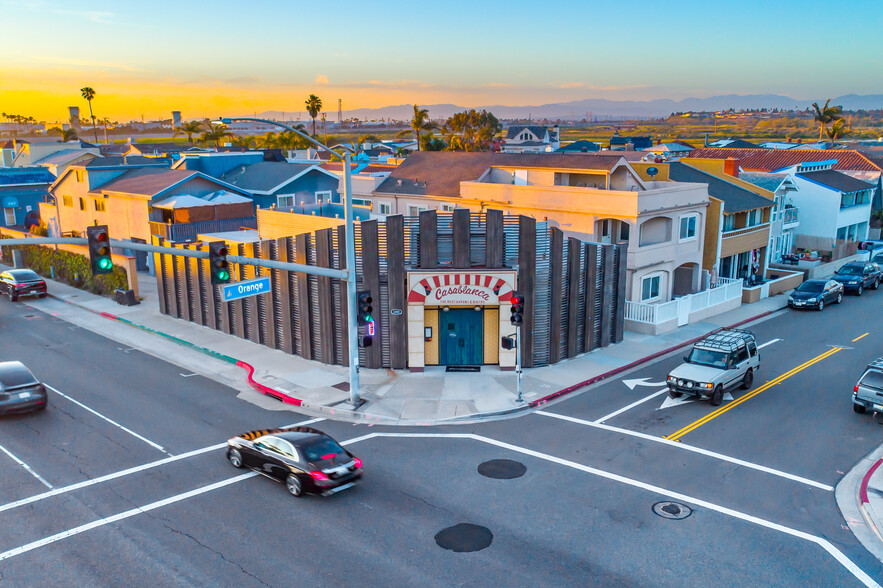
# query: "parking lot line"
713,415
630,406
123,473
25,466
821,542
694,449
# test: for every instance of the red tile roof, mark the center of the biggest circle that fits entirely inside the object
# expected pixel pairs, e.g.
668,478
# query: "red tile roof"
774,159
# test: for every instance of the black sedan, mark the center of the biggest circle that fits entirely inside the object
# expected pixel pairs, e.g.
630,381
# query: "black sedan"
307,461
858,275
22,282
20,391
816,294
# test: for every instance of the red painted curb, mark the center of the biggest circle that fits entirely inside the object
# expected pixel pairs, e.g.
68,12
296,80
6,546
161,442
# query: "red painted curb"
863,489
281,396
604,376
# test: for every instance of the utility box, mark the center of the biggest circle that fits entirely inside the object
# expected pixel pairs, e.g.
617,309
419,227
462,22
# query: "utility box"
125,297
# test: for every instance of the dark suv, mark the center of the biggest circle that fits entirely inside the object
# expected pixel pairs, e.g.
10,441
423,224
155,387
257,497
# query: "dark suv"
858,275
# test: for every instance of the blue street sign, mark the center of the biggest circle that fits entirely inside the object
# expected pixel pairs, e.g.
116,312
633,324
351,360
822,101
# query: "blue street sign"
238,290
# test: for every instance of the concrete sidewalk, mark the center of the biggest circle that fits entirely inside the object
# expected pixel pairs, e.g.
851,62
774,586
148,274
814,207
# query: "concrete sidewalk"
860,498
392,397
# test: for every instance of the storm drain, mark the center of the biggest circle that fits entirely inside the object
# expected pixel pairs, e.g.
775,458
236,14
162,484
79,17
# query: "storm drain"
502,469
464,537
672,510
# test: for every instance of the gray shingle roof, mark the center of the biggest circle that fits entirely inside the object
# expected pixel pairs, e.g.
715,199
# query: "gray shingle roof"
837,180
735,198
145,181
581,146
439,173
767,181
515,130
130,160
263,176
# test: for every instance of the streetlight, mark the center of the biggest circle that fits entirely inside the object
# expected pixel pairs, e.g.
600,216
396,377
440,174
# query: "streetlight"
353,327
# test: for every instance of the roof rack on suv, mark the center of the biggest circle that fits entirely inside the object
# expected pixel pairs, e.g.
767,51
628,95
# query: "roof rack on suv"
727,339
877,363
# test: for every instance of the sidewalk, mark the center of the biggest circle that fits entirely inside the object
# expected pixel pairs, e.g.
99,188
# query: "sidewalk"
392,397
860,498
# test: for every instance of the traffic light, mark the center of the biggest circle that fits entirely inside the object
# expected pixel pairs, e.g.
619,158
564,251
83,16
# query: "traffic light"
363,315
217,261
517,309
99,250
508,342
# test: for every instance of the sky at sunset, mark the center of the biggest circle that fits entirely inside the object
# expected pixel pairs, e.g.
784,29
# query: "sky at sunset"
224,57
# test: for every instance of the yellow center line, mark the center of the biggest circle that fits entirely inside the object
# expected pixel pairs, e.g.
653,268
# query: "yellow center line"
713,415
859,337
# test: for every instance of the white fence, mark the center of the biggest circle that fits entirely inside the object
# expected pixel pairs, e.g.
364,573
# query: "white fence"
654,314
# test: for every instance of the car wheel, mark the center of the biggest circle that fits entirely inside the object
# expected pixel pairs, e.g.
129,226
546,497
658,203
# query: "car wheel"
717,396
859,408
294,486
860,290
748,379
876,284
235,458
674,394
839,298
822,304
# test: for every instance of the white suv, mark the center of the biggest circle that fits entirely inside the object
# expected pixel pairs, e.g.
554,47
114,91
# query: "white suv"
718,362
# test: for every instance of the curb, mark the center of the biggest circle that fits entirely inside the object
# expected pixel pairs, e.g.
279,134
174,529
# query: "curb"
288,399
863,488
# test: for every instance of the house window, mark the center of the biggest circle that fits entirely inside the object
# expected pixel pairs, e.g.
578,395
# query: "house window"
650,288
82,204
68,201
99,205
729,222
385,208
447,207
79,176
755,217
623,231
362,202
688,227
323,196
285,200
414,210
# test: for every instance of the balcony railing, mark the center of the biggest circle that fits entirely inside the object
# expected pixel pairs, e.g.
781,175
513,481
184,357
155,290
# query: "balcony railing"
181,232
745,230
727,289
790,217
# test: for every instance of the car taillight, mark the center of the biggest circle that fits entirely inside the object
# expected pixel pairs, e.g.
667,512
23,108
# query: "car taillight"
855,390
358,462
318,476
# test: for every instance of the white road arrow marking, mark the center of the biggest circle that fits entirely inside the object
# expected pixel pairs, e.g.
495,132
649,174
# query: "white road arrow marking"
641,382
669,401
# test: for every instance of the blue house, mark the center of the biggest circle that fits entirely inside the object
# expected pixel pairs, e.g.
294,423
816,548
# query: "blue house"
21,191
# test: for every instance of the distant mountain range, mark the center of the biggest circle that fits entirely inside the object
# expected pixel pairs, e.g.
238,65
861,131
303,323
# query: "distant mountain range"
601,108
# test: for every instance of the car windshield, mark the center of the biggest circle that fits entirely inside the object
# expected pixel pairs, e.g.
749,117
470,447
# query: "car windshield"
24,275
810,287
873,380
850,270
15,375
322,448
878,258
717,359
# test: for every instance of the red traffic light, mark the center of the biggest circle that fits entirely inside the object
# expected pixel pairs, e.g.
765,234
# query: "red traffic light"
515,299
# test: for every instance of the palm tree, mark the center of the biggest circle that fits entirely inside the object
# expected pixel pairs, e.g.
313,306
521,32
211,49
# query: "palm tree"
837,131
215,133
268,141
314,107
824,115
88,93
246,142
420,122
189,128
64,134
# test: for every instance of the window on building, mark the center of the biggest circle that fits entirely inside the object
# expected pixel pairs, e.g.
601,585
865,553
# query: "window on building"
68,201
688,227
650,287
99,205
323,196
841,233
623,231
362,202
285,200
414,210
79,176
729,222
82,204
385,208
847,200
447,207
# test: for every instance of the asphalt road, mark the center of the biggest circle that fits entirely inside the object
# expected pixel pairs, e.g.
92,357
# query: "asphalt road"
122,480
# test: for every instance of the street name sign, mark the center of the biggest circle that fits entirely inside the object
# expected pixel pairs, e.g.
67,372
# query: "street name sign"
238,290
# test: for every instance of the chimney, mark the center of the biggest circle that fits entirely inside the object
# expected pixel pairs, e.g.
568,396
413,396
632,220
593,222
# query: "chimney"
731,167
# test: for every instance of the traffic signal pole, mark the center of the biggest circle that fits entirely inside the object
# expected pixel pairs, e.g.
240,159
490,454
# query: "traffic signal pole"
518,363
351,302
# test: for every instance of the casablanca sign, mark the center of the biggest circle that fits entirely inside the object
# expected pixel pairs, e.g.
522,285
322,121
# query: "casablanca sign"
459,287
461,295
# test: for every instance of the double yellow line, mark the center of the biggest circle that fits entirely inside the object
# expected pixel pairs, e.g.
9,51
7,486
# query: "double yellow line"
713,415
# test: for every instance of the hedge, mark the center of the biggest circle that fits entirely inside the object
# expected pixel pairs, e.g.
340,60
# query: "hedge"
71,268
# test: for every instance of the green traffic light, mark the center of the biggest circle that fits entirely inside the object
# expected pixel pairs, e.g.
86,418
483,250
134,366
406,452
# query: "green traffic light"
222,275
105,263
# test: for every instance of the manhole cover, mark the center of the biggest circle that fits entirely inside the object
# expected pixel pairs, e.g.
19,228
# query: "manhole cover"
502,469
672,510
464,537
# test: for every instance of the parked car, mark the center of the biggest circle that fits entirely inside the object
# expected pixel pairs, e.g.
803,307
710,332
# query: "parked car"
868,392
816,294
20,390
878,258
858,275
304,459
718,362
22,282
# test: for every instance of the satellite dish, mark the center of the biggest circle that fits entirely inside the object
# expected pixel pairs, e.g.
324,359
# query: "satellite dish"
652,171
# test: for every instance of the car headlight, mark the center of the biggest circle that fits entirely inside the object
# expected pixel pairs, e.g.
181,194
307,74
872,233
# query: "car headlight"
689,384
812,300
706,385
671,378
680,382
853,282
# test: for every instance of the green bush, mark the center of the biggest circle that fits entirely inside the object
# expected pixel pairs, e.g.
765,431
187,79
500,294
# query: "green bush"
71,268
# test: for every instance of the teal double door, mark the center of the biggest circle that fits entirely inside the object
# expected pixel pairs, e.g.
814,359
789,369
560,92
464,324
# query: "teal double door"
462,336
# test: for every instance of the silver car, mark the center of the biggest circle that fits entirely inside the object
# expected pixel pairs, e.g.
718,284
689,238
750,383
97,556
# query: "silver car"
720,361
868,392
